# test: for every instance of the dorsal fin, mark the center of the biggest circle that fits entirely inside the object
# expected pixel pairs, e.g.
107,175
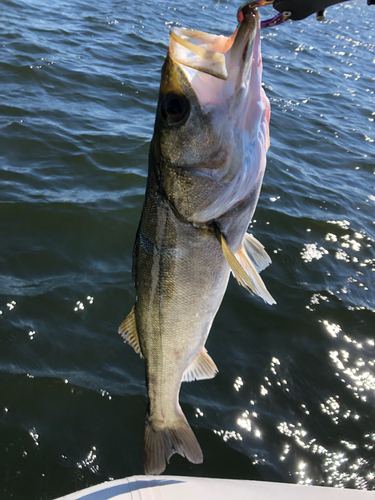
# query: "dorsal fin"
201,368
244,270
128,331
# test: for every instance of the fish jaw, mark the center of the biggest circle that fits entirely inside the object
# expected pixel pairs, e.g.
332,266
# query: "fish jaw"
210,160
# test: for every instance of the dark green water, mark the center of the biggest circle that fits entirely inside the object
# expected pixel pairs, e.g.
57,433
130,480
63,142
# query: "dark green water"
295,397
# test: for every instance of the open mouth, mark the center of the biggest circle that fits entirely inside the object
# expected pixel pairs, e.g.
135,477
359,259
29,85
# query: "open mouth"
213,54
217,66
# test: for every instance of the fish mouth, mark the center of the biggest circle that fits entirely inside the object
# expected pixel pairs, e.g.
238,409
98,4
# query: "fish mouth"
216,65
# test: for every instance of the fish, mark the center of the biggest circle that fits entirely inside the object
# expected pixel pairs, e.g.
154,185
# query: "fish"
206,164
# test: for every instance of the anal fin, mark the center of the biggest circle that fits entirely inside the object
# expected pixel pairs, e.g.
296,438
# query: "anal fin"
201,368
128,331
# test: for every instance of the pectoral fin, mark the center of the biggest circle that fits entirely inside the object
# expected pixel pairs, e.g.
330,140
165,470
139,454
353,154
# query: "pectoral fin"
201,368
244,270
128,331
256,252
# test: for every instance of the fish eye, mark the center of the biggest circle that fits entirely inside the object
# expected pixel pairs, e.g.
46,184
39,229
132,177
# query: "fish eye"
174,108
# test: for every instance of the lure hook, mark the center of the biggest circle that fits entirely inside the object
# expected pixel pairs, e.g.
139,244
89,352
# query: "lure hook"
273,21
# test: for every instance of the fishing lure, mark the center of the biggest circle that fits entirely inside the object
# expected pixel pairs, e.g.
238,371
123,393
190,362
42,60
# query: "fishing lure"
273,21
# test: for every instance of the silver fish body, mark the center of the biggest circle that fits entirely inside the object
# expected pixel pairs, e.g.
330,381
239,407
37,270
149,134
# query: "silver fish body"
206,165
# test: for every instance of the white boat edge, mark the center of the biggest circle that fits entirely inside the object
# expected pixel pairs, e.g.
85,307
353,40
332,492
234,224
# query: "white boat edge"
192,488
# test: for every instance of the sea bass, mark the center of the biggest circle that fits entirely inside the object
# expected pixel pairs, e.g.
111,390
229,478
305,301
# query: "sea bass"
206,164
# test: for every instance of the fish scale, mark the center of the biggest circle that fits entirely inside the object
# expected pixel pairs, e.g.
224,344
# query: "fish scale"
206,165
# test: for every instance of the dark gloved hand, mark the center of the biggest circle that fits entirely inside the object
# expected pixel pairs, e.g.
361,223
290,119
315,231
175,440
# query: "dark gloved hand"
302,8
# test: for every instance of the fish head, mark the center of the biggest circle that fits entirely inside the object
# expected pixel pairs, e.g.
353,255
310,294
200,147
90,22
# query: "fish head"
211,129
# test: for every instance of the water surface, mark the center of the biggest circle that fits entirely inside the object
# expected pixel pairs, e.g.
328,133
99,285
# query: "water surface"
294,400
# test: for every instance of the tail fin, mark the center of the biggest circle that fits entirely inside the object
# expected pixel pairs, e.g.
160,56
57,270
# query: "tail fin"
161,444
